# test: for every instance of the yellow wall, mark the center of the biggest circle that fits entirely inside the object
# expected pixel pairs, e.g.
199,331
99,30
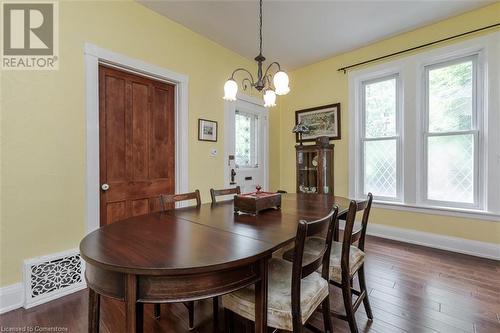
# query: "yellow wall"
321,83
43,122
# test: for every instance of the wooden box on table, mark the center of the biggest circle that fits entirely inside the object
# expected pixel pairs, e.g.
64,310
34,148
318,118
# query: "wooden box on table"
253,203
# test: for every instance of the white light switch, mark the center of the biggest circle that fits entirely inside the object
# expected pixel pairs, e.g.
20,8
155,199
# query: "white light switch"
213,152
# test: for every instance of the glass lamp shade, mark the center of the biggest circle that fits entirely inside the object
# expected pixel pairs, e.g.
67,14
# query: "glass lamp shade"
269,99
281,81
230,90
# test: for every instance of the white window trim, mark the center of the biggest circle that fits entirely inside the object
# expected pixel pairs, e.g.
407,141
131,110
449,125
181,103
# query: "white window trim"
488,47
361,137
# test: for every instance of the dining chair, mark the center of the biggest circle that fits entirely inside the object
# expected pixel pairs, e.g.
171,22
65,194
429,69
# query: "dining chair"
217,193
295,289
167,202
347,260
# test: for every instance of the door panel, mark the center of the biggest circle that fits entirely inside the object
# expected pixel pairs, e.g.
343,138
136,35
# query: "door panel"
140,207
116,211
140,130
162,137
137,143
115,127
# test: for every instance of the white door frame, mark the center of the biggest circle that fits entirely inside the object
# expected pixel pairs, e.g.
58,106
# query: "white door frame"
94,56
229,109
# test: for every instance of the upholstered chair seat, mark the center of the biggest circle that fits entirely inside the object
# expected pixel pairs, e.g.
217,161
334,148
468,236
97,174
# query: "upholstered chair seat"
356,257
314,290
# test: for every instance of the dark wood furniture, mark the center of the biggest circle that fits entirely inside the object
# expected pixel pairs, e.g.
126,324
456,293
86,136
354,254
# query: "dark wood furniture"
191,253
461,301
315,167
168,202
217,193
349,269
253,203
346,261
158,258
293,318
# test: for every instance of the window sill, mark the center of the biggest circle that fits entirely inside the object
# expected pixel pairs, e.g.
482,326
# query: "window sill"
456,212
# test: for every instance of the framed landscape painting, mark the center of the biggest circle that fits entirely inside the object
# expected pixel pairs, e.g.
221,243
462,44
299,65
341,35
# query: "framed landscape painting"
207,130
321,120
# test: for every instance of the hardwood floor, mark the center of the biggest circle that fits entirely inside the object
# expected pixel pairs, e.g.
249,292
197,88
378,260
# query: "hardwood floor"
412,289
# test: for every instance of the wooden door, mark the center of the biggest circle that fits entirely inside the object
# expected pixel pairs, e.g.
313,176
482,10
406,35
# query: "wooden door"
137,147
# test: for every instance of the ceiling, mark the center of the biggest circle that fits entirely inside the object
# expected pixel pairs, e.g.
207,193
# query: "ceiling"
297,33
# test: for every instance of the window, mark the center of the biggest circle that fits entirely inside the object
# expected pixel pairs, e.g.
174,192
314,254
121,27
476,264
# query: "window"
380,138
246,136
451,133
424,131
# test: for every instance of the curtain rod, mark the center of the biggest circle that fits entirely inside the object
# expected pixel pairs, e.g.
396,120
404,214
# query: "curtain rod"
344,69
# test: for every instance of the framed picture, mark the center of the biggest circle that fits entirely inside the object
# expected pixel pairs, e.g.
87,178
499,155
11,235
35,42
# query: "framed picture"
207,130
321,120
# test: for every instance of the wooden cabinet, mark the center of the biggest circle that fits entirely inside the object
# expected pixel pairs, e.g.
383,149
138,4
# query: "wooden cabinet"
315,167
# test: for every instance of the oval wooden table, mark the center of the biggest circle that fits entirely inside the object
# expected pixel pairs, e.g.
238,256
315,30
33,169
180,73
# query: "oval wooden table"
191,253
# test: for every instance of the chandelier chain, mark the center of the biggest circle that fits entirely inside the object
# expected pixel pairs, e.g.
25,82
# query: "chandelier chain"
260,28
265,82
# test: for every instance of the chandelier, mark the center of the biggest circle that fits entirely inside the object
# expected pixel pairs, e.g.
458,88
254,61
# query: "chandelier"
270,85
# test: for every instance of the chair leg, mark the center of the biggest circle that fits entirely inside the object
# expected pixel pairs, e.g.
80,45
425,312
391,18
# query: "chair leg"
349,311
94,310
362,285
228,321
327,318
215,307
157,311
139,311
190,307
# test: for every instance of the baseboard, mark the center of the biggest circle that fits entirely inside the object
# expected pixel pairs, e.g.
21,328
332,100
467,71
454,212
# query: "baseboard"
45,278
11,297
448,243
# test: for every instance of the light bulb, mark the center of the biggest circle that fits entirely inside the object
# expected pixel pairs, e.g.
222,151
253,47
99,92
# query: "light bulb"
269,98
281,82
230,90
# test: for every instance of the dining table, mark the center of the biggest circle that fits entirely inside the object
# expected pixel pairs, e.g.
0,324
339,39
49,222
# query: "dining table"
193,253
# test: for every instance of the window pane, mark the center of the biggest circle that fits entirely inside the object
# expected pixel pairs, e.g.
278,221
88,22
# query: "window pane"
245,140
450,97
451,168
380,167
380,108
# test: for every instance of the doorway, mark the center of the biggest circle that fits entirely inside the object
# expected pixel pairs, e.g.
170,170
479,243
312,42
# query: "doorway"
136,143
246,145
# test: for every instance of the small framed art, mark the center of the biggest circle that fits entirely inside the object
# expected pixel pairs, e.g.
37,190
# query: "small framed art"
207,130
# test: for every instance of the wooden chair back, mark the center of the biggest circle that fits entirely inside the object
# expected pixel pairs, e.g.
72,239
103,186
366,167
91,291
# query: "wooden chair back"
300,269
359,235
281,191
168,201
217,193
